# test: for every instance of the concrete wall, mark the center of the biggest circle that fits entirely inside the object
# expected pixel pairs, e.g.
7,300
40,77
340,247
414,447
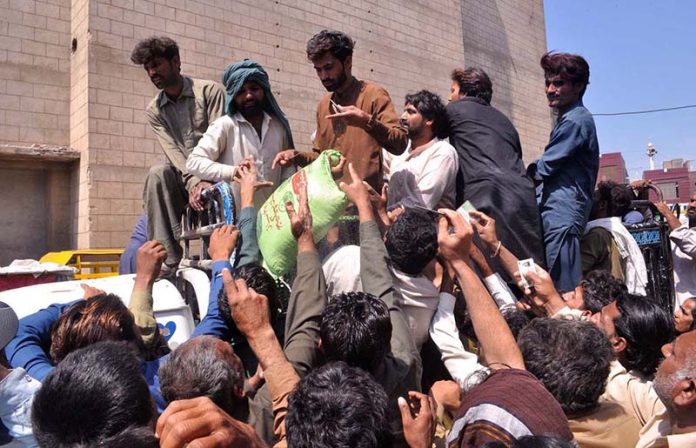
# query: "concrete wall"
404,45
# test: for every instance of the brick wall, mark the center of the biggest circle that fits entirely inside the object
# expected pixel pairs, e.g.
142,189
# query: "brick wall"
405,45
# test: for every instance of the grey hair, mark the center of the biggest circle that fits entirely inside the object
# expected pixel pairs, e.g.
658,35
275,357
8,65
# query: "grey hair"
198,369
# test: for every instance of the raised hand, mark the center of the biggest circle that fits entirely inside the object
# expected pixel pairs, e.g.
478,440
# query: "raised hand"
352,116
148,261
454,246
247,178
300,220
249,308
418,419
485,227
285,158
222,242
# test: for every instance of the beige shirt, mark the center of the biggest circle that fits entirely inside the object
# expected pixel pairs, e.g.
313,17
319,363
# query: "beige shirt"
607,426
425,176
228,141
657,434
180,123
636,395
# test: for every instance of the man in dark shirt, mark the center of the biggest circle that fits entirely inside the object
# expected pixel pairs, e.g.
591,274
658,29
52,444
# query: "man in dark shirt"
491,173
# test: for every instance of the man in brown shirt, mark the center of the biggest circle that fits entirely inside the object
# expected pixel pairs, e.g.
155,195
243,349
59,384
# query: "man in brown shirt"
356,118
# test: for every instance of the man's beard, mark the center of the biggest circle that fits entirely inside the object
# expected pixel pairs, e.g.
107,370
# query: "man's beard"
414,133
251,110
337,83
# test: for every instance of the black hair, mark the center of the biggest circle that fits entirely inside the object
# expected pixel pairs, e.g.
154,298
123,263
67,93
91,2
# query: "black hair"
599,289
258,279
533,442
95,393
516,319
571,67
356,328
432,108
571,358
197,368
473,82
154,47
338,406
411,241
617,197
646,327
339,44
132,437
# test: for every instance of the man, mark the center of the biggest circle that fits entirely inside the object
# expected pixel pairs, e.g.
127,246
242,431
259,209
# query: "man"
254,126
511,402
73,408
683,250
573,359
675,382
607,245
684,316
637,328
491,173
567,171
356,117
425,174
179,116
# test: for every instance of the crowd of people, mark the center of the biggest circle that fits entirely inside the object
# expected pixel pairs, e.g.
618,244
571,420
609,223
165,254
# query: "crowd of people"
413,324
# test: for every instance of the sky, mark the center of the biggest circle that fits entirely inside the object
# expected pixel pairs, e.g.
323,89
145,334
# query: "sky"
642,55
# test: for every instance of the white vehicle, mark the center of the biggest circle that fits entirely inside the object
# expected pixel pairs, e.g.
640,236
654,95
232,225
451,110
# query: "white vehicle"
175,317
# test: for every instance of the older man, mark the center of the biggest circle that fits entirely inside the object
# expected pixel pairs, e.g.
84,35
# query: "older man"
567,171
675,383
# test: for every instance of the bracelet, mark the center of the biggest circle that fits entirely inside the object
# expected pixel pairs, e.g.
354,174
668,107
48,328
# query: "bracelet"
497,250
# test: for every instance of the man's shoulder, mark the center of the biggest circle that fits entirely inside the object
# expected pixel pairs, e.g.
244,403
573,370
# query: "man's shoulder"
153,106
206,86
373,89
580,116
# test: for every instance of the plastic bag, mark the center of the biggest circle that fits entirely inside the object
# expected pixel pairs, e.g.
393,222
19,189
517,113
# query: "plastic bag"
326,203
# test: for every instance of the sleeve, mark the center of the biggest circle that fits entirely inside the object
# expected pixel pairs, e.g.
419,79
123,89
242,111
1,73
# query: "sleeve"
443,331
439,172
384,125
499,290
202,161
377,280
282,380
685,239
140,306
28,348
213,324
565,141
249,248
171,148
307,302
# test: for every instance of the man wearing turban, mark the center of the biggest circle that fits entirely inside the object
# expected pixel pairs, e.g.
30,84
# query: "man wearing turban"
253,127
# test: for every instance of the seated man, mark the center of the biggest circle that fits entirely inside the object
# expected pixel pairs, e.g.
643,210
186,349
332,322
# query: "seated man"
72,407
253,126
572,359
178,115
607,245
425,174
675,382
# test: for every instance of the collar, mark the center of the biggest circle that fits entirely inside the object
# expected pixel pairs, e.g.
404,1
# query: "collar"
238,117
187,91
352,88
575,105
473,99
415,152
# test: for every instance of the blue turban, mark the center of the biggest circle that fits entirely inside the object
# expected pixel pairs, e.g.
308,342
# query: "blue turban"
234,77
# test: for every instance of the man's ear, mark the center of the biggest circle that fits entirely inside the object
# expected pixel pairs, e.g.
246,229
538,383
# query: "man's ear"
348,63
684,394
176,63
320,346
619,344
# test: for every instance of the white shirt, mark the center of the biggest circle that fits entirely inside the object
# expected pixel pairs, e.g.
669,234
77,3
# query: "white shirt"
684,260
228,141
426,176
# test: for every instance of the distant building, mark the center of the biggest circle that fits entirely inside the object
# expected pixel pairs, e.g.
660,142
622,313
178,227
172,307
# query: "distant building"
674,179
612,167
